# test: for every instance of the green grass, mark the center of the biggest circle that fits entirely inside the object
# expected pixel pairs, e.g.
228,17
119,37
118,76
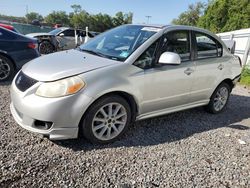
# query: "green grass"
245,76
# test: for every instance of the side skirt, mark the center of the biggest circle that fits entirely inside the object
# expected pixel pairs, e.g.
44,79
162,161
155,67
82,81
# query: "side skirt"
171,110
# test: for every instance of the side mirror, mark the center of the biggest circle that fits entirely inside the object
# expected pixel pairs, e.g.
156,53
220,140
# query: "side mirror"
61,34
170,58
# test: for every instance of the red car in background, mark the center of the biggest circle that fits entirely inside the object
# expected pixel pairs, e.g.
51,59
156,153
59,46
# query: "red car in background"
9,27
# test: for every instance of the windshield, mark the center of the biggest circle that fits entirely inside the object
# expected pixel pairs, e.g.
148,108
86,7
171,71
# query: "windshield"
55,31
119,43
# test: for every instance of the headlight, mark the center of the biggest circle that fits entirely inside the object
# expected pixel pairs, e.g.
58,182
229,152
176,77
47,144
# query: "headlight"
60,88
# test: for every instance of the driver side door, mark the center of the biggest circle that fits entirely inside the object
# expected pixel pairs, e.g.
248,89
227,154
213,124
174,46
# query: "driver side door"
67,41
167,86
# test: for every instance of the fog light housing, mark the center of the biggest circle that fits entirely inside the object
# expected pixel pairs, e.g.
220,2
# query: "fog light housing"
44,125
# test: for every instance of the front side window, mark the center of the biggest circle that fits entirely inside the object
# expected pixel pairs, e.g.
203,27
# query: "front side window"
69,33
177,42
207,47
55,31
119,43
147,59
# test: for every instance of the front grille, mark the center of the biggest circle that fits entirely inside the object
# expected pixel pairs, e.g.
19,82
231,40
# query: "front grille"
23,82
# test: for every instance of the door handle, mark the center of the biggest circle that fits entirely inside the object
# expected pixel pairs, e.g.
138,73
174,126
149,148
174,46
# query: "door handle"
189,71
220,67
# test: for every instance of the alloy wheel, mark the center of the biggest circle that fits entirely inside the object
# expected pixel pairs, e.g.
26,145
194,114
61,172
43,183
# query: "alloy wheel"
221,98
4,69
109,121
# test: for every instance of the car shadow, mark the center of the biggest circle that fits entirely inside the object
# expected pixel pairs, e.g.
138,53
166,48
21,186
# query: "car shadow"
174,127
5,83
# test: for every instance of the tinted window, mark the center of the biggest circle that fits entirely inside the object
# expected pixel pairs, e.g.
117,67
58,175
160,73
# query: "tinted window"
6,35
177,42
146,60
55,31
207,46
69,33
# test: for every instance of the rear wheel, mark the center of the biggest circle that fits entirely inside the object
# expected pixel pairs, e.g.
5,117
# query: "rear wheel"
106,120
7,69
219,99
45,47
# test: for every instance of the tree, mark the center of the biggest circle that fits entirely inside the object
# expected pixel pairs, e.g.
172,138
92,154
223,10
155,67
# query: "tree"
77,8
191,16
226,15
58,17
121,18
33,16
79,18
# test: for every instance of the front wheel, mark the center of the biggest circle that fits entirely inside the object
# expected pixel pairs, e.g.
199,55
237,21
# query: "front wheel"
106,120
219,99
45,47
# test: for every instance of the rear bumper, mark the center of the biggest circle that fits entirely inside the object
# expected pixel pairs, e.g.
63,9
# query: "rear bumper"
23,56
236,79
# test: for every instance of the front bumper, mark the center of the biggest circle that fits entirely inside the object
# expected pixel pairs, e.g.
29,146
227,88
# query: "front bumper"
65,112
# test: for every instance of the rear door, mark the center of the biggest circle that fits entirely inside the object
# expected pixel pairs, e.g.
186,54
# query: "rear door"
210,65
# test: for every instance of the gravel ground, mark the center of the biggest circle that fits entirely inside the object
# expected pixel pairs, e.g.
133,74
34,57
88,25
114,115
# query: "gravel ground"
185,149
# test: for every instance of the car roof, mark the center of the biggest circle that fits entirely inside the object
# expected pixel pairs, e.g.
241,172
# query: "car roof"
161,26
178,27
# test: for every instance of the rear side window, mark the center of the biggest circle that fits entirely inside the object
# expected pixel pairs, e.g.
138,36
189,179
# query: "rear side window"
177,42
6,35
207,47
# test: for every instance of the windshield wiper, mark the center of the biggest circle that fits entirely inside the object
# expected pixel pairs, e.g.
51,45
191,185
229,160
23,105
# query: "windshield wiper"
101,55
93,52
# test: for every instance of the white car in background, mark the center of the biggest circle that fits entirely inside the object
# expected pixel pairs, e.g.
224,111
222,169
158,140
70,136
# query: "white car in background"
63,38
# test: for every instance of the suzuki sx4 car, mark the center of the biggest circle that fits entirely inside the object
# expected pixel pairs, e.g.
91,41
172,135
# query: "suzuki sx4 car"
129,73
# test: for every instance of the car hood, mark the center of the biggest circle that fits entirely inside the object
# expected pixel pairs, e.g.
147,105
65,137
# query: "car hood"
38,34
64,64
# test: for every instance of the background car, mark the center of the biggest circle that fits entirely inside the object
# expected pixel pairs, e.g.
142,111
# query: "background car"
62,38
15,51
9,27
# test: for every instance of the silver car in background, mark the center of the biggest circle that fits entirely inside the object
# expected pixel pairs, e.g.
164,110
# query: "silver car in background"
129,73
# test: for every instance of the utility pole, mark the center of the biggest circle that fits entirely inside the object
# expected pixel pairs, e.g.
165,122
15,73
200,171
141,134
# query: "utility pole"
148,17
27,11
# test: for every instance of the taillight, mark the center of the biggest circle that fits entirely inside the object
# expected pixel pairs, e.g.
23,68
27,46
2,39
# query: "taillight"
32,45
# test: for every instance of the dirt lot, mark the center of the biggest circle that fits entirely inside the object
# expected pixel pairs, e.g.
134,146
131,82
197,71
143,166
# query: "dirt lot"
185,149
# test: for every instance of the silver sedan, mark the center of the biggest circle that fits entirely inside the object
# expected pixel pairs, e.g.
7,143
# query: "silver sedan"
129,73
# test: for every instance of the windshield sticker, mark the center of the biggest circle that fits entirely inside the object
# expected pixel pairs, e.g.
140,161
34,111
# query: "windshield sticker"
124,54
152,29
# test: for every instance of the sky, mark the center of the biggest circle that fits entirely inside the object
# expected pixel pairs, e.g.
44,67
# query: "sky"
161,11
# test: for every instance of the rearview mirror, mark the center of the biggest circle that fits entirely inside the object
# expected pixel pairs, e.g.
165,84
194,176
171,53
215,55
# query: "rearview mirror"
170,58
61,34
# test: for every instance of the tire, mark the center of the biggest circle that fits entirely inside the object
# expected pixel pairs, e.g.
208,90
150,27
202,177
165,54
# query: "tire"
219,99
45,47
7,69
100,126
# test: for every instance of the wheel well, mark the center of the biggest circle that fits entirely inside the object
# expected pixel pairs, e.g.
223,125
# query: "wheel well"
13,62
129,98
47,40
229,82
